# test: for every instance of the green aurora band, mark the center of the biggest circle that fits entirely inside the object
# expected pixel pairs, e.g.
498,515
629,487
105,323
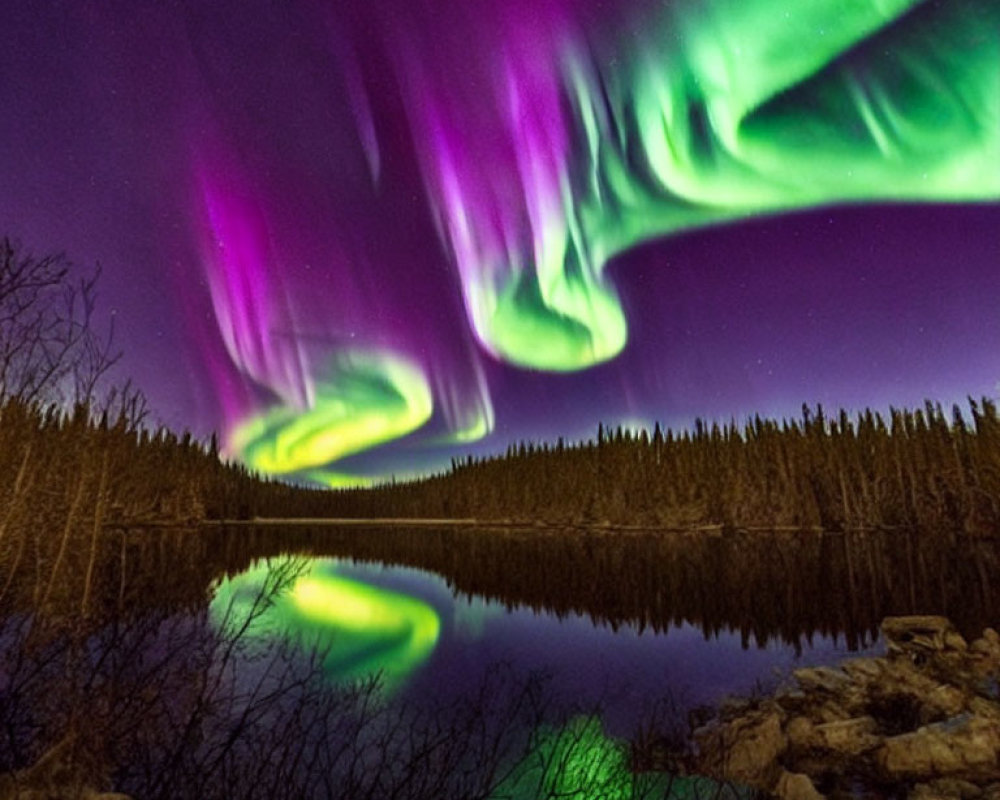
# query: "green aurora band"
363,629
724,110
367,399
732,108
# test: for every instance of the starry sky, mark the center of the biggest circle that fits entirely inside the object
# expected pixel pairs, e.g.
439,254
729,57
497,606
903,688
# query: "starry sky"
358,239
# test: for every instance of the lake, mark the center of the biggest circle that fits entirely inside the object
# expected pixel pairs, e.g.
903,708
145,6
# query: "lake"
425,640
510,663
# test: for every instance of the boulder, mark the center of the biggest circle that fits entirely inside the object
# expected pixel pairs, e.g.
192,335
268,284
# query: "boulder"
942,702
826,679
843,697
795,786
964,747
744,750
849,737
829,710
863,670
790,697
923,721
946,788
918,636
985,652
986,709
801,733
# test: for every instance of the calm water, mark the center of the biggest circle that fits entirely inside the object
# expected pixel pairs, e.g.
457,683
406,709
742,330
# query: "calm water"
428,641
616,621
620,621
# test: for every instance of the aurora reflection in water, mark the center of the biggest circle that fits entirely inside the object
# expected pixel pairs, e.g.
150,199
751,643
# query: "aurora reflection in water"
363,630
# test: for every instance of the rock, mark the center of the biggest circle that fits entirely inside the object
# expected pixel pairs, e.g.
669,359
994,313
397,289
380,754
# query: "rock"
985,652
917,635
801,733
830,711
897,701
849,737
987,709
991,792
734,706
903,677
946,788
985,648
863,670
942,702
826,679
923,719
791,699
964,789
963,747
843,697
924,791
744,750
795,786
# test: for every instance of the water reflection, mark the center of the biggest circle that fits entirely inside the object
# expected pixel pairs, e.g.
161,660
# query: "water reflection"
171,706
360,629
143,668
787,588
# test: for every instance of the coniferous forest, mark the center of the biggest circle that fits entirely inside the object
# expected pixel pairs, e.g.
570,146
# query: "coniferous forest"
67,478
919,468
915,468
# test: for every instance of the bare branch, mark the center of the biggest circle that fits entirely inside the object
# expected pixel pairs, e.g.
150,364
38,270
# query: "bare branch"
52,349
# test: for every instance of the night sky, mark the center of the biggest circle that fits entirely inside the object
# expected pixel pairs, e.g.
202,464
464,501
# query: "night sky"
361,238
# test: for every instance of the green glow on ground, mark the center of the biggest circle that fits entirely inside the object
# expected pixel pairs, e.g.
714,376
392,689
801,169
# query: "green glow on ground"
577,760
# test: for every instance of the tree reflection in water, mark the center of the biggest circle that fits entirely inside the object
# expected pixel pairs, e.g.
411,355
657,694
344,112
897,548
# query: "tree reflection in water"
147,694
787,587
171,704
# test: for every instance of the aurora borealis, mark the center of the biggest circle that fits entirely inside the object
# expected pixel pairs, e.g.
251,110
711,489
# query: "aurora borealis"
359,240
719,116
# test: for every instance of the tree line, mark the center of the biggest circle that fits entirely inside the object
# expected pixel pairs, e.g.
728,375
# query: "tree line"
916,468
77,457
913,468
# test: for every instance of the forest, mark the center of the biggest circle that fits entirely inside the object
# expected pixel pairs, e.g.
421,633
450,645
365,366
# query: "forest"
67,479
916,468
920,468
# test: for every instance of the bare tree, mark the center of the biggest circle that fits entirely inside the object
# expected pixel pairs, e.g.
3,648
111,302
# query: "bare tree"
52,349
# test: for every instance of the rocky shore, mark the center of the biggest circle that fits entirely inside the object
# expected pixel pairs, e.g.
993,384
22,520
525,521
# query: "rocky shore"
922,721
